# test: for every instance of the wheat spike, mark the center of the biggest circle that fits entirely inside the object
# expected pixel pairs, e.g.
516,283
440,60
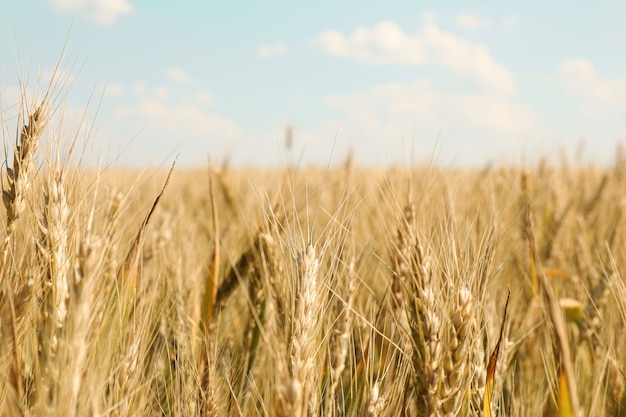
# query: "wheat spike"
305,323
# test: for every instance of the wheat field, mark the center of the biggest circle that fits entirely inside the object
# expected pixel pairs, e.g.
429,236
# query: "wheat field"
292,291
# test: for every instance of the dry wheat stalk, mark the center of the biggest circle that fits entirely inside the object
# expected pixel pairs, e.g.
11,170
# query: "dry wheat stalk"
616,386
54,226
207,308
208,301
456,366
529,233
288,398
58,225
115,201
264,269
83,287
423,311
20,180
240,271
340,338
589,326
54,255
19,177
375,402
304,328
401,257
127,273
478,375
562,351
229,197
596,197
479,341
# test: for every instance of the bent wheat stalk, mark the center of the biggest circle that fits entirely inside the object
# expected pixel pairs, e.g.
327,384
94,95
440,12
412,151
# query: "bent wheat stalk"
128,270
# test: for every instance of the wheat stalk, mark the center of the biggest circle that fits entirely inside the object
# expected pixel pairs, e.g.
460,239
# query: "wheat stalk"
375,402
84,287
424,322
304,327
53,247
340,338
456,372
19,177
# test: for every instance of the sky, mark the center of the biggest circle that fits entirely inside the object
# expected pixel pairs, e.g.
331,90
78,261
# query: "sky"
402,82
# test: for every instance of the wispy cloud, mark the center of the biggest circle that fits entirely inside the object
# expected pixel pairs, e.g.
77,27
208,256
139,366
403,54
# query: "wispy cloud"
474,126
173,118
469,21
101,11
267,51
139,89
178,75
183,120
510,21
115,90
204,98
420,103
579,77
387,44
161,93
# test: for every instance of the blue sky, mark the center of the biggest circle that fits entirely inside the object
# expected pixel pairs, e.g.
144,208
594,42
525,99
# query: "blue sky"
400,82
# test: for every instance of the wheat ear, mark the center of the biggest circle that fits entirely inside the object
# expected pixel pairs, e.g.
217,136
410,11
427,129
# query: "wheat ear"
375,402
299,389
19,177
55,255
455,382
425,325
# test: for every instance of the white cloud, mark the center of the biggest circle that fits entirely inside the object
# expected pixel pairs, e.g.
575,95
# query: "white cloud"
114,90
123,111
545,80
167,113
204,98
475,126
178,75
387,43
184,120
469,21
510,21
176,125
267,51
139,89
101,11
579,78
200,99
422,104
168,119
161,93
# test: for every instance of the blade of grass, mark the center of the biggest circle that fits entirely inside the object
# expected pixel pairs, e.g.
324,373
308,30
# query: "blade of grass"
491,367
566,373
128,271
564,399
210,291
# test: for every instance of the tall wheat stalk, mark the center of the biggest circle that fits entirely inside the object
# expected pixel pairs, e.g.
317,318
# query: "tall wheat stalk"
20,177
